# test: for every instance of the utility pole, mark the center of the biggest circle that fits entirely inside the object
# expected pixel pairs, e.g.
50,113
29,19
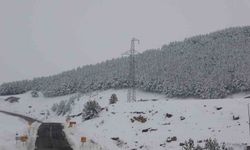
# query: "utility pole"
249,117
132,67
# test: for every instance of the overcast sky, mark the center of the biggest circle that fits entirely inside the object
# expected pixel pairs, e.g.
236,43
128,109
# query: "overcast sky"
44,37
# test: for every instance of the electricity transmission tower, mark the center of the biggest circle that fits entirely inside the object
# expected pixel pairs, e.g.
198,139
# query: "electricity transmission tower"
248,106
132,66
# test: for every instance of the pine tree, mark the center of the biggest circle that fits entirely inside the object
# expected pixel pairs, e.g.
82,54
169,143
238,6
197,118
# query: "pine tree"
91,110
113,99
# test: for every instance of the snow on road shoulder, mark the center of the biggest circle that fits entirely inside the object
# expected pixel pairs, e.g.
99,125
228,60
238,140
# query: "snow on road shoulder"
9,126
74,136
32,135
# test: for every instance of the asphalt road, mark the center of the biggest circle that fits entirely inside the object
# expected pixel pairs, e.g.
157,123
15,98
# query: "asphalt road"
51,137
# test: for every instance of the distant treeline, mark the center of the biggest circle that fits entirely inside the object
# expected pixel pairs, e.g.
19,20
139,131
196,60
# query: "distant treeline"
206,66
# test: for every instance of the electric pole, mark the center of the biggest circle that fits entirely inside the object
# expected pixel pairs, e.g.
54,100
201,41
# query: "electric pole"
248,117
132,74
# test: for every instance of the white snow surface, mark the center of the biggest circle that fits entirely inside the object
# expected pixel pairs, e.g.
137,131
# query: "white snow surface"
9,127
202,120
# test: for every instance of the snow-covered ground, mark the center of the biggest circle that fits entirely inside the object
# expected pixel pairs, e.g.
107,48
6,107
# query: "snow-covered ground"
29,106
202,119
9,127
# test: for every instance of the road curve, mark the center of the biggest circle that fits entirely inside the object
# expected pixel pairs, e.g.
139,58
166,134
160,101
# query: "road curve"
50,136
28,119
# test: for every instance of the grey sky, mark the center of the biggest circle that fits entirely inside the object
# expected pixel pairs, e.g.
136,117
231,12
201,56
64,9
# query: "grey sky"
43,37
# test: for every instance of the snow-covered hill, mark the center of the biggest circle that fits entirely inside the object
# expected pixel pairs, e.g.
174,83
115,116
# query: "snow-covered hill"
191,118
214,65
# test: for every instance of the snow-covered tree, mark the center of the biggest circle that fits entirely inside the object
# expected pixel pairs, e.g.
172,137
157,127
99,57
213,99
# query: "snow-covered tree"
34,93
62,108
212,144
91,110
188,145
113,99
206,66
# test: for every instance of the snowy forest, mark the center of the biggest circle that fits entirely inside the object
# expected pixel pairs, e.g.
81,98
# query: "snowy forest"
205,66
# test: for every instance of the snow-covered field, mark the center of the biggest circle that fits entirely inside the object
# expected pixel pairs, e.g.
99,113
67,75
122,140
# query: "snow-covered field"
202,120
9,127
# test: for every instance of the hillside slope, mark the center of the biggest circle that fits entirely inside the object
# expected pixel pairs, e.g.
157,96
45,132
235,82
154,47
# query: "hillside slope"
205,66
202,119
